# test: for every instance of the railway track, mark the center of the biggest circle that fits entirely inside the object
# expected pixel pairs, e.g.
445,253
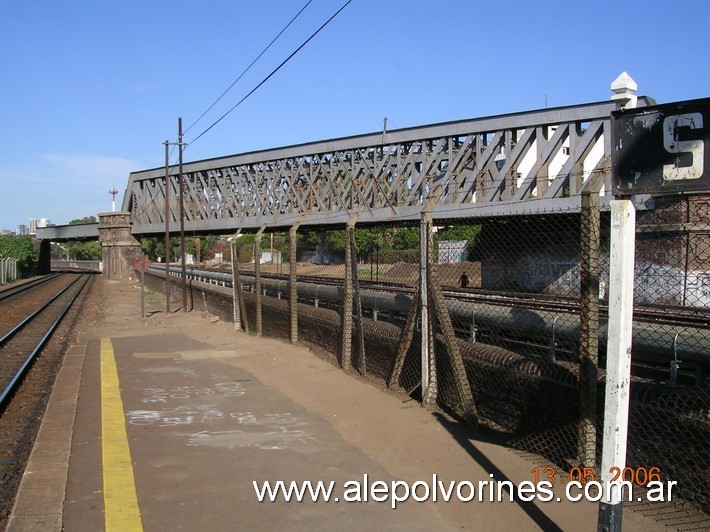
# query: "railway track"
29,361
21,345
652,314
16,289
534,324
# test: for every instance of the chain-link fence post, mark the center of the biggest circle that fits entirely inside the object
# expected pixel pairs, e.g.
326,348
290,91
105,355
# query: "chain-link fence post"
346,322
236,292
292,282
356,294
429,384
589,328
441,315
405,341
257,278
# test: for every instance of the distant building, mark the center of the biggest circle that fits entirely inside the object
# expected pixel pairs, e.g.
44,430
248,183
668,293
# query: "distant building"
22,229
5,232
32,230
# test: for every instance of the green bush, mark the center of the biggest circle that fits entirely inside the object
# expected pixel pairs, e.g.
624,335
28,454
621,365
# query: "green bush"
22,248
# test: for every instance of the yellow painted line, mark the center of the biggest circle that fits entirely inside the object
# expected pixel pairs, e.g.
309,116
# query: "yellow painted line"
120,500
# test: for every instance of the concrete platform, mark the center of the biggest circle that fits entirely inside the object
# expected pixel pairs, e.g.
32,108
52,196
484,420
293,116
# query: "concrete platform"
209,410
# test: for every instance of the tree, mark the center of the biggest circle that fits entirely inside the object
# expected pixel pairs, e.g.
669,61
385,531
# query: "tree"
22,248
84,220
245,247
83,250
86,250
406,238
155,247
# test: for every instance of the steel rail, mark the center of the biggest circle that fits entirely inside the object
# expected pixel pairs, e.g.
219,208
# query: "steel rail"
14,290
36,313
652,314
653,334
19,375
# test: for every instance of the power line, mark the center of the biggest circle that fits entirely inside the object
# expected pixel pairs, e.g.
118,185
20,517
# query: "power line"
249,67
272,72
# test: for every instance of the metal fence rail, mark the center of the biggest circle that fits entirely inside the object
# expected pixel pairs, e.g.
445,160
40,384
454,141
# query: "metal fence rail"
8,269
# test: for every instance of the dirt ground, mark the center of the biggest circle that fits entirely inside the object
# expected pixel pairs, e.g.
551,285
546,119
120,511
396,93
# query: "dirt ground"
399,272
411,443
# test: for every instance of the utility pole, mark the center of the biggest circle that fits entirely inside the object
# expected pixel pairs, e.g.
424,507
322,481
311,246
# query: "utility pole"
180,145
182,219
167,227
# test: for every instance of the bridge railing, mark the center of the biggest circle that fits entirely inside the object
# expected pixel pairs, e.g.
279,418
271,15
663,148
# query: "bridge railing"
523,163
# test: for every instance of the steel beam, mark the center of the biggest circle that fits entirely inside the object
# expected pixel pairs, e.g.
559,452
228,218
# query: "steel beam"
523,163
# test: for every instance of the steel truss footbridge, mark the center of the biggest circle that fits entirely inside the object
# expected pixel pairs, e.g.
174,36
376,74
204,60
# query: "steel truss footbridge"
516,164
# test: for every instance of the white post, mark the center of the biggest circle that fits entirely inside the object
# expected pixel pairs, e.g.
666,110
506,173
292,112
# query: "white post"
618,360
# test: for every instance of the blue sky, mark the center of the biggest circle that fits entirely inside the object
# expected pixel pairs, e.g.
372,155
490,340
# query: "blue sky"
90,89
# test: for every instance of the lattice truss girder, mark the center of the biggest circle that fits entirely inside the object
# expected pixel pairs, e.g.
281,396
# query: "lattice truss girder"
536,156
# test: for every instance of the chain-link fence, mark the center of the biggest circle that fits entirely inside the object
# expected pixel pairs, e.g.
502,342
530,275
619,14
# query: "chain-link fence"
518,305
502,322
669,418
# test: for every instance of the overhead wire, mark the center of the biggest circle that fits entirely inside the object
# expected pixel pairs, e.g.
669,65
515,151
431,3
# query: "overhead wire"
266,78
249,67
274,71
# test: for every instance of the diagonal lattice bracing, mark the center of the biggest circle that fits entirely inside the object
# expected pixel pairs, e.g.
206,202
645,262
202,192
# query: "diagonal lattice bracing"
522,163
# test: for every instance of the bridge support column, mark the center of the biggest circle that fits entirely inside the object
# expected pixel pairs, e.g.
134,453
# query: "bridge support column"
44,265
257,278
118,247
292,281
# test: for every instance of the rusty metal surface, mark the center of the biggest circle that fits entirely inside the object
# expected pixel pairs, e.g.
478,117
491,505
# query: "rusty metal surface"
662,149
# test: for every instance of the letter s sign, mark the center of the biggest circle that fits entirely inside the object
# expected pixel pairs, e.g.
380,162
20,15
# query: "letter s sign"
671,124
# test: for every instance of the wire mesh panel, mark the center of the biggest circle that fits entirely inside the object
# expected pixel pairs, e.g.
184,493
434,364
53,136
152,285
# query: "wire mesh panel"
386,271
321,254
513,291
516,309
670,403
